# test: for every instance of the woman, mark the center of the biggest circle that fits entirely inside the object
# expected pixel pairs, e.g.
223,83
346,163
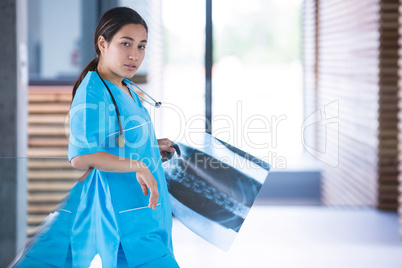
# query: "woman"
121,210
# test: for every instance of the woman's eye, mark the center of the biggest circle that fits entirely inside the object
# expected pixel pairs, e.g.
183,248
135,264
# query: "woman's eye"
141,47
126,44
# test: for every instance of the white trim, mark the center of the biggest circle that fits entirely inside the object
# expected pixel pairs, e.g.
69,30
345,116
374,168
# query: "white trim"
66,210
135,208
131,128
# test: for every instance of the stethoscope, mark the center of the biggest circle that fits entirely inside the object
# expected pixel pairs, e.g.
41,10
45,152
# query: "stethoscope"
120,139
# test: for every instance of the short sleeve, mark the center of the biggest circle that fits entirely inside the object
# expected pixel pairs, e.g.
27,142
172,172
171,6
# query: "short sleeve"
89,126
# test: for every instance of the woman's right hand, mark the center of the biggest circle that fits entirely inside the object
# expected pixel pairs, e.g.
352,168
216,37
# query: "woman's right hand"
147,181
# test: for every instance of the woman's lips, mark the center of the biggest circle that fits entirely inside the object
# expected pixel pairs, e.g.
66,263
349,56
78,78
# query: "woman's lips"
131,67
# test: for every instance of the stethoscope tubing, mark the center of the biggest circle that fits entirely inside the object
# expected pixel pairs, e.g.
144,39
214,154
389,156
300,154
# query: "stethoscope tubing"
114,102
156,105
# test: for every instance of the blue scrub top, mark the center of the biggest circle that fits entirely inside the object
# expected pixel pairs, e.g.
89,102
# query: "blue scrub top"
109,208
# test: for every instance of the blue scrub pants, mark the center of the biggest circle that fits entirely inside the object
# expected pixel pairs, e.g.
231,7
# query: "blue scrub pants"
167,261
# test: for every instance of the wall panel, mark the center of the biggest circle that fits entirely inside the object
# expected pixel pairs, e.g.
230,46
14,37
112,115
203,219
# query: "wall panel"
348,68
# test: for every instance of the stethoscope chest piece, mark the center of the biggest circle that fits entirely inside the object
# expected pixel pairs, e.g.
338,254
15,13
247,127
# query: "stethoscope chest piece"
120,141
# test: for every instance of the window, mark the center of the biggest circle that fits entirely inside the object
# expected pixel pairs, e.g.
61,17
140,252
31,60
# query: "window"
54,40
257,86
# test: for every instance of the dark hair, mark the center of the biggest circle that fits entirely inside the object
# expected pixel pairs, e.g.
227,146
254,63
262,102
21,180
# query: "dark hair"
109,24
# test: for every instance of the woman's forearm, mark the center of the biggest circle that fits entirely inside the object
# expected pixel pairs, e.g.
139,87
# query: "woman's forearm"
111,163
107,162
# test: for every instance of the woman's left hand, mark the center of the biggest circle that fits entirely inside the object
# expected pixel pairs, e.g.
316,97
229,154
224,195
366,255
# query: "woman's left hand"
164,146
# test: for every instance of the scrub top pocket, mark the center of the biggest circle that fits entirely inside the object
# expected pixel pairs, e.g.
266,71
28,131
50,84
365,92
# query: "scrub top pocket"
141,220
143,233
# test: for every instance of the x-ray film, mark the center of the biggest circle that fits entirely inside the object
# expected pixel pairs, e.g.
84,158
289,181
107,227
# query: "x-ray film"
212,187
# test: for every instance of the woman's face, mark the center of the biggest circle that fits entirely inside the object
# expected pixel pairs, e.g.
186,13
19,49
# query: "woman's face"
123,55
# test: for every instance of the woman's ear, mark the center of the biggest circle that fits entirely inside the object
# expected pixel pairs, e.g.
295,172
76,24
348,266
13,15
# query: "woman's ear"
102,44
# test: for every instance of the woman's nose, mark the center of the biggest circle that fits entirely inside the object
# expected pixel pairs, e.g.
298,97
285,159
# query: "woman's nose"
133,55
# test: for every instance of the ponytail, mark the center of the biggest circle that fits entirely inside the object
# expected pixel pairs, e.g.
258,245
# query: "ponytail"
90,67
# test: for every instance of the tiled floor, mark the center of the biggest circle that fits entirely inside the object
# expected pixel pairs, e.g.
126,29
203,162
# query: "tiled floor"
300,236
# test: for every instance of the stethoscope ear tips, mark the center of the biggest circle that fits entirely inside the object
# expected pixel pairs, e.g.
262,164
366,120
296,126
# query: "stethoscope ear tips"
158,104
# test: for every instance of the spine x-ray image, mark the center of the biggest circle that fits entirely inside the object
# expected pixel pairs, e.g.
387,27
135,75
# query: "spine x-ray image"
212,187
